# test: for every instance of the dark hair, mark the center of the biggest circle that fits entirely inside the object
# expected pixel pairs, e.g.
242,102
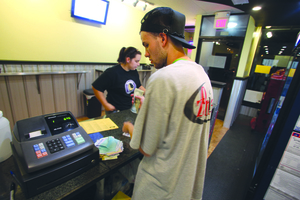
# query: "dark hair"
127,52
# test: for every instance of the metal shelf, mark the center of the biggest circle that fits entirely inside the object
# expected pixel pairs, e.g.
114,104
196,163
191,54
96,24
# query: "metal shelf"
41,73
37,75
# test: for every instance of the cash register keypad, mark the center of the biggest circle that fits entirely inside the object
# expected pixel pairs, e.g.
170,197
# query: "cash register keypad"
40,150
55,145
68,141
78,137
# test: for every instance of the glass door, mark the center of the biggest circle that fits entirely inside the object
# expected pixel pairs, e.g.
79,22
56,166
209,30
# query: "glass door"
220,58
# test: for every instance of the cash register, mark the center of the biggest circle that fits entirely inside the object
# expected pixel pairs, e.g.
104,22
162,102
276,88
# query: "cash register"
49,150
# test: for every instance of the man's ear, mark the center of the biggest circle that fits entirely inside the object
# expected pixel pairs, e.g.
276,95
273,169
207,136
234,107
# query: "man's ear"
164,38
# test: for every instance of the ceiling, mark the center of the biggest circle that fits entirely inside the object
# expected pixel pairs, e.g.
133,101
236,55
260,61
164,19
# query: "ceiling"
283,16
273,12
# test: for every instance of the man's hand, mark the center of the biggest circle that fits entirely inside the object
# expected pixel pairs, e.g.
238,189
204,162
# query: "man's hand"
128,128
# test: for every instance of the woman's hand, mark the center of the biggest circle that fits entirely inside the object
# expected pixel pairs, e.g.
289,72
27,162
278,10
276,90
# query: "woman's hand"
109,107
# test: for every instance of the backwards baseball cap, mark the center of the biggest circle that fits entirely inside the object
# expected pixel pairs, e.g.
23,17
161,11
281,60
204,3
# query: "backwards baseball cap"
168,21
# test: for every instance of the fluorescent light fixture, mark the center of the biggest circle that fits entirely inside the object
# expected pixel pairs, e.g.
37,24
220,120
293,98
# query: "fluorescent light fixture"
267,27
238,2
91,10
256,8
283,47
265,46
269,34
232,24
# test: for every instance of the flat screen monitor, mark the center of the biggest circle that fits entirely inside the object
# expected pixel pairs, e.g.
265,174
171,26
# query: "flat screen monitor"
91,10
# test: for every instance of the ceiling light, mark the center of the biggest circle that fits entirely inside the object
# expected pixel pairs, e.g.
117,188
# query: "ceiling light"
265,46
255,34
232,24
269,34
256,8
134,4
238,2
283,46
145,6
268,27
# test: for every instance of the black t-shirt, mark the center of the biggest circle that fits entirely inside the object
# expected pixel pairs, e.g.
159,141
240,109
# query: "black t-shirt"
119,85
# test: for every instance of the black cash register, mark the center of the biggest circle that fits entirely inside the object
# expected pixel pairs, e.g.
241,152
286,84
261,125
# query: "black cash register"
49,150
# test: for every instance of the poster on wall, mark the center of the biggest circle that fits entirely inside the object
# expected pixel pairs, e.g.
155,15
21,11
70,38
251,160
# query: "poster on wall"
216,61
297,126
286,181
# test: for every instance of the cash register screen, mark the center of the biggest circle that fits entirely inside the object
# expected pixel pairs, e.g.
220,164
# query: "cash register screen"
60,123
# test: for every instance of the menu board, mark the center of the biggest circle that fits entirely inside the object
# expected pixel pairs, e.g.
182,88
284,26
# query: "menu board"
286,180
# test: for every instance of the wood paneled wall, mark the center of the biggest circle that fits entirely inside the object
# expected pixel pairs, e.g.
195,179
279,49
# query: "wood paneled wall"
20,97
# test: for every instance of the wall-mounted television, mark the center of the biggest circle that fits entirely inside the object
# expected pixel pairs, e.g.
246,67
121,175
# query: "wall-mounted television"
91,10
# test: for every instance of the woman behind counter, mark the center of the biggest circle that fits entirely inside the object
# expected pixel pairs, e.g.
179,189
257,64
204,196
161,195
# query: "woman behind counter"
119,81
